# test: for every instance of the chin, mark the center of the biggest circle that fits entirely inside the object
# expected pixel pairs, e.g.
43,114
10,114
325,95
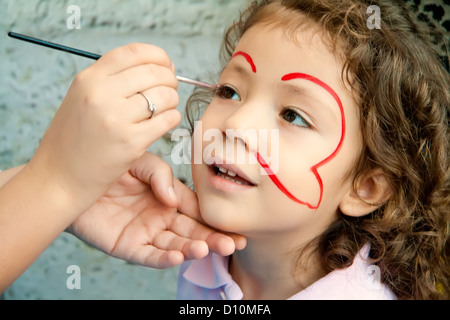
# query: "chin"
220,219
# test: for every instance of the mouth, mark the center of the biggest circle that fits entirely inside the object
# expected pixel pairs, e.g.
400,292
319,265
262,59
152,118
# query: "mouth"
226,176
231,176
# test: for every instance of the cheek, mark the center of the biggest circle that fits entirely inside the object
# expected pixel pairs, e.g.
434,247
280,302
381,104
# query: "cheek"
280,214
296,174
203,125
196,176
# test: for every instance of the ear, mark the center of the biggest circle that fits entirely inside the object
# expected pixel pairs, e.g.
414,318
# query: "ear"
372,191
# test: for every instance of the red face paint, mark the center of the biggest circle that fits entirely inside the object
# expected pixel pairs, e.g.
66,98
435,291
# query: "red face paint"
247,57
314,168
277,181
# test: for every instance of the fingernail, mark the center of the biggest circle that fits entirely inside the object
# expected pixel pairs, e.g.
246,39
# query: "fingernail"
173,67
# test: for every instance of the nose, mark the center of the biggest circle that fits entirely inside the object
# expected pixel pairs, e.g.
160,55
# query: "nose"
245,123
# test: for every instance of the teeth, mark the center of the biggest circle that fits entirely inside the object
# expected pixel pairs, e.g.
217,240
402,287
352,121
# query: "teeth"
230,173
231,179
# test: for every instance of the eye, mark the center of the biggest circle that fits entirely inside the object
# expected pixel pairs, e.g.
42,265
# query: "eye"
295,118
227,92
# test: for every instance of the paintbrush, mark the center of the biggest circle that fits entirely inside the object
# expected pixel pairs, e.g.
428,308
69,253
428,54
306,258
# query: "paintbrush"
91,55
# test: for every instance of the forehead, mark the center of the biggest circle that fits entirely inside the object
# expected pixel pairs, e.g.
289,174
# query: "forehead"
274,46
270,49
290,20
295,25
275,35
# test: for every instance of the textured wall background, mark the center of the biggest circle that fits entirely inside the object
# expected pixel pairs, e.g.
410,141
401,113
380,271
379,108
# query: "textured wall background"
33,82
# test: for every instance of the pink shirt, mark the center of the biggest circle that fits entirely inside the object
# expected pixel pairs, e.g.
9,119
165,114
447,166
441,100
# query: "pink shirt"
209,279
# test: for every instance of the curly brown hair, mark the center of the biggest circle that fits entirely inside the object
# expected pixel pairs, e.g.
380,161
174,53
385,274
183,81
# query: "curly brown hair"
402,90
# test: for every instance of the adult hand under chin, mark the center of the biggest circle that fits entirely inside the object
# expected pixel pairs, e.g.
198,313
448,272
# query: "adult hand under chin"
150,218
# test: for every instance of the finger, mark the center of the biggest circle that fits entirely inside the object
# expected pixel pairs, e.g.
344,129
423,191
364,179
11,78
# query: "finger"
218,242
191,249
164,98
161,182
148,131
131,55
140,78
187,201
240,242
191,229
150,256
154,171
159,175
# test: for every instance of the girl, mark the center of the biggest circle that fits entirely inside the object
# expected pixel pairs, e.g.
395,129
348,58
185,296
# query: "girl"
361,190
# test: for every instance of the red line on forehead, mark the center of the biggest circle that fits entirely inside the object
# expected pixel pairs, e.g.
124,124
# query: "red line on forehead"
247,57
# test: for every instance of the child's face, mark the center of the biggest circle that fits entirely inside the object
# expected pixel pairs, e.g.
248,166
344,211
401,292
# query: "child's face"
292,93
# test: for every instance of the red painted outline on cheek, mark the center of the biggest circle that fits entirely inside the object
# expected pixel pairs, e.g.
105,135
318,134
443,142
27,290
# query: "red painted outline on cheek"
277,181
314,168
247,57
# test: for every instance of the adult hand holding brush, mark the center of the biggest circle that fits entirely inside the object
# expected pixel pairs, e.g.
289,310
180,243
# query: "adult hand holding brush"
80,174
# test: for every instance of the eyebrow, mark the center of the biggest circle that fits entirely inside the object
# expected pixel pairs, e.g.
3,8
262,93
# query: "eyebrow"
298,75
247,57
298,90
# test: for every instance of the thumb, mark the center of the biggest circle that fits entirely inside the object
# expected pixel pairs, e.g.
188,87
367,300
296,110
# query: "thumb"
187,201
158,174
